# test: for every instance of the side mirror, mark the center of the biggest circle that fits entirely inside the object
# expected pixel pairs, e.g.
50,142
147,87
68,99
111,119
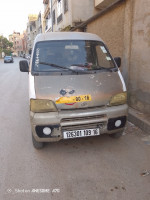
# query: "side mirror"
118,61
24,66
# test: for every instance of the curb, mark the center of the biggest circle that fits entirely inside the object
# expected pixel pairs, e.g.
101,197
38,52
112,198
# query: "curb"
139,119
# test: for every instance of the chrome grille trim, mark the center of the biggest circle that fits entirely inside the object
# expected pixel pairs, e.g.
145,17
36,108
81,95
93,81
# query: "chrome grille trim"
87,126
80,109
83,120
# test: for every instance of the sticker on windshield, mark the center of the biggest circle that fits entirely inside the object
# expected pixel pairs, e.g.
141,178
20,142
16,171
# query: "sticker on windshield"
108,58
71,47
103,49
37,57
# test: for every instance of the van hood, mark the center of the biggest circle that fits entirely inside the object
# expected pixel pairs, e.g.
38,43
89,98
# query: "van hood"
78,91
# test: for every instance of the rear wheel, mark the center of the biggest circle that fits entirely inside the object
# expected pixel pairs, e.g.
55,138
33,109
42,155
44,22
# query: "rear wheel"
37,145
116,135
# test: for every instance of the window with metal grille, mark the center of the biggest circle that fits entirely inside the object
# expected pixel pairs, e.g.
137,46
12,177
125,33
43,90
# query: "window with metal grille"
65,6
59,19
53,16
59,7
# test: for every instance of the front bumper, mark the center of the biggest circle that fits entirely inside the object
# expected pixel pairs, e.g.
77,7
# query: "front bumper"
68,120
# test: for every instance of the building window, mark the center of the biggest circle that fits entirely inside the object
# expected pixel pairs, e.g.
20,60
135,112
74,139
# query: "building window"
59,19
59,7
48,17
53,16
59,11
65,6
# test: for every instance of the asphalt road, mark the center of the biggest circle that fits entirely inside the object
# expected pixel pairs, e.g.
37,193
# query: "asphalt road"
98,168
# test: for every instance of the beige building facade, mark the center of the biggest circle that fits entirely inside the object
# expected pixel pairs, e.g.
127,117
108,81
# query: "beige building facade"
34,27
62,15
16,39
32,31
125,26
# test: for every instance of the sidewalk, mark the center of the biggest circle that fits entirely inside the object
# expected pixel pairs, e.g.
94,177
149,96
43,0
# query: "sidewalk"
139,119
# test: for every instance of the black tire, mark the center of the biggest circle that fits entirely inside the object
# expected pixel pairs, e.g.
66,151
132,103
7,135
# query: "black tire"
37,145
116,135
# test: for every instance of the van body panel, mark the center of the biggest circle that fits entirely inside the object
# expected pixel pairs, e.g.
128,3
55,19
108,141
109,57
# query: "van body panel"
101,86
79,90
66,36
32,94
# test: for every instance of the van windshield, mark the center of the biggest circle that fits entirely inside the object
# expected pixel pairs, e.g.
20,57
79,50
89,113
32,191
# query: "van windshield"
71,55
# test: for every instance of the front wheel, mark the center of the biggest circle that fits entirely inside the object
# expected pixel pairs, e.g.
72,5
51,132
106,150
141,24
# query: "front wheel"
116,135
37,145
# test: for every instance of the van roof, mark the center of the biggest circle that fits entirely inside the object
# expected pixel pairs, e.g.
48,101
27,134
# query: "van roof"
67,36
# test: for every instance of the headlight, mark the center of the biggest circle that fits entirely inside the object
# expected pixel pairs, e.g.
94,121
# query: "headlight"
42,105
118,99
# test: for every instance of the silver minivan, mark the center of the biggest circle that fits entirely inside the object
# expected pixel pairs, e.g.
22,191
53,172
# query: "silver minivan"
75,88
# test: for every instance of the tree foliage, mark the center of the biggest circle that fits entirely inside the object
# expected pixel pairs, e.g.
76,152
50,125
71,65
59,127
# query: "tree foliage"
5,45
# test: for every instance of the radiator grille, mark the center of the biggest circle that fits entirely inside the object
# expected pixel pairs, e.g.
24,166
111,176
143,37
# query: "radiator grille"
82,118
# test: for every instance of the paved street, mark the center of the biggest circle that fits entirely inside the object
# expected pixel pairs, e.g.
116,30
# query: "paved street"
98,168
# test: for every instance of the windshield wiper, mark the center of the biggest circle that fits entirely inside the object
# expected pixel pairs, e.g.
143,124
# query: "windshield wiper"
61,67
87,67
57,66
104,68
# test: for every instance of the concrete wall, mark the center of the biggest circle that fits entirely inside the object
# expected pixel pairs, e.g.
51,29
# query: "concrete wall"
82,10
110,28
103,3
126,30
139,74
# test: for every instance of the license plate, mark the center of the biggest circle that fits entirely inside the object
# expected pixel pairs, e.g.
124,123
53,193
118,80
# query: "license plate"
74,99
81,133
